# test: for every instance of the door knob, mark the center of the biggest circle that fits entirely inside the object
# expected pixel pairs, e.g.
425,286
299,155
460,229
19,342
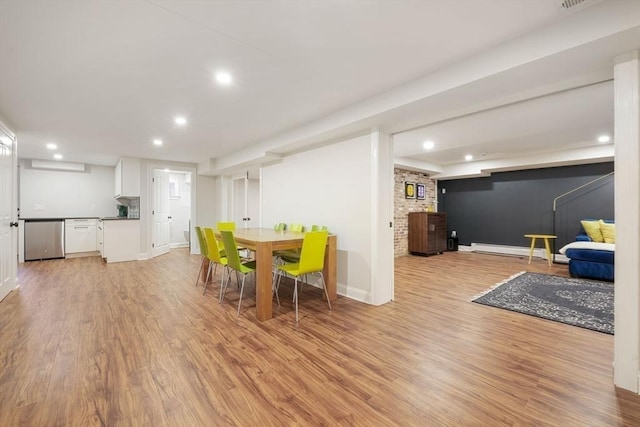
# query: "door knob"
13,224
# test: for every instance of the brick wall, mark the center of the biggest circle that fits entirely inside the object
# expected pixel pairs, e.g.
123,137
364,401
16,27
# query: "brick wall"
403,206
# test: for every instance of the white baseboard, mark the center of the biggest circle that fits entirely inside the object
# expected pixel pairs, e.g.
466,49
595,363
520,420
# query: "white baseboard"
179,245
520,251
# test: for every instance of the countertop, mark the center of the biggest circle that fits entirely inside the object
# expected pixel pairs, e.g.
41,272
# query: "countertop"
118,218
106,218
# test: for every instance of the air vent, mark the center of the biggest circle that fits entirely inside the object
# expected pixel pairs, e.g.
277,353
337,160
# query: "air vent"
61,166
567,4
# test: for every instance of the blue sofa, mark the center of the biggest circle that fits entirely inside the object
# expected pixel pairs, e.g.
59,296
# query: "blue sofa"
590,263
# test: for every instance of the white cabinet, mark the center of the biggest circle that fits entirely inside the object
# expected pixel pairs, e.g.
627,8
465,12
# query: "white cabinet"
127,178
80,235
100,237
121,239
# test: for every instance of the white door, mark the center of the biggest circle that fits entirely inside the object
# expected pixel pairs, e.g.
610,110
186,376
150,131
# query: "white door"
8,219
160,213
246,196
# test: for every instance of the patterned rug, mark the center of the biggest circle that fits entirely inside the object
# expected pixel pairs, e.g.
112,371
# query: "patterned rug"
578,302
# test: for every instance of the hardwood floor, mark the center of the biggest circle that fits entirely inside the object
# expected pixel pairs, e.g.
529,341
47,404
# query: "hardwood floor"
137,344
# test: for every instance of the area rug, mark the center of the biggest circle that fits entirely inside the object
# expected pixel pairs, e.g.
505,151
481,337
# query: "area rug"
578,302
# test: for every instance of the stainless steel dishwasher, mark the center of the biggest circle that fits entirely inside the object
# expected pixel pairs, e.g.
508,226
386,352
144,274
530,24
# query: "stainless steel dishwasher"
43,239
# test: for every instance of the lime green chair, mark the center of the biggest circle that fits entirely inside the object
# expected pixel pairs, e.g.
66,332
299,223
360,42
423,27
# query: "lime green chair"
226,226
311,261
319,228
213,254
280,226
289,255
233,262
203,252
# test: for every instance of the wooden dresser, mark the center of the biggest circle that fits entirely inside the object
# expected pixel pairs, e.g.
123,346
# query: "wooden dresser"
427,233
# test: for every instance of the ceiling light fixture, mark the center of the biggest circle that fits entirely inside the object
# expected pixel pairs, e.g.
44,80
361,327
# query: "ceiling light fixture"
180,121
51,146
428,145
57,156
468,157
224,78
157,142
604,138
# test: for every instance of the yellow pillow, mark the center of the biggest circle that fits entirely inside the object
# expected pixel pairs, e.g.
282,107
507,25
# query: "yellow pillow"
592,228
608,232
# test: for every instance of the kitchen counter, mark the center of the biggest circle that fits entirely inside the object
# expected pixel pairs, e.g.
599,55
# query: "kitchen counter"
118,218
58,219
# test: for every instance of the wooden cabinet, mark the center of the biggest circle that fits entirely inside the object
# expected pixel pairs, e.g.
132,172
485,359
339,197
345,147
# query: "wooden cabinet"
427,233
127,178
80,235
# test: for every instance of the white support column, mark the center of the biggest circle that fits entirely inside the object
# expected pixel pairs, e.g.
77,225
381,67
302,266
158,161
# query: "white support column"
627,209
381,218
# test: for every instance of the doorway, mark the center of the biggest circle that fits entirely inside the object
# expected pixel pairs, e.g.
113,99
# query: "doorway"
246,200
172,207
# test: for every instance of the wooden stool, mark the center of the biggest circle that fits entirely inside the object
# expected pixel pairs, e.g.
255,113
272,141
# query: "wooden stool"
546,238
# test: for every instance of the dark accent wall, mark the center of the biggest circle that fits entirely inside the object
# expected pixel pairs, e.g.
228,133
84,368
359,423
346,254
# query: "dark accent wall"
502,208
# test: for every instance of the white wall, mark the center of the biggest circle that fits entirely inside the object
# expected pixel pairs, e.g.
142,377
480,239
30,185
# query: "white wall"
62,194
328,186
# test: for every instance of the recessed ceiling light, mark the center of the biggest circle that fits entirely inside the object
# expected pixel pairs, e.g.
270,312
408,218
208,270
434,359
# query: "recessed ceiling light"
428,145
468,157
604,138
157,142
57,156
224,78
51,146
181,121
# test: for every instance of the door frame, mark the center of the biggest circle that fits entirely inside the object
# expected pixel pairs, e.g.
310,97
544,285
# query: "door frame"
13,217
146,218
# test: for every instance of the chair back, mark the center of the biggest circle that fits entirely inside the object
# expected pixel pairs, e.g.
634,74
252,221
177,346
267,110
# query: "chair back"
231,250
201,241
319,228
313,250
213,251
281,226
226,226
298,228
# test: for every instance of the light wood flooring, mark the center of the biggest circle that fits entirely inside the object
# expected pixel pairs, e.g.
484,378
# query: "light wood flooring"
84,343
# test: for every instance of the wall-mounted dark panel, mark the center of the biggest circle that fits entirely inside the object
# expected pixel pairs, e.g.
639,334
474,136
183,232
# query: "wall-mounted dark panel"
501,208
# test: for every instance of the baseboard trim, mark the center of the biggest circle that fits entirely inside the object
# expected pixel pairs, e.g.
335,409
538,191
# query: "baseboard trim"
179,245
520,251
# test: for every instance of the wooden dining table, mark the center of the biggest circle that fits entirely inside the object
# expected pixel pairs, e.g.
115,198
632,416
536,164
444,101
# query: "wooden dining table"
263,241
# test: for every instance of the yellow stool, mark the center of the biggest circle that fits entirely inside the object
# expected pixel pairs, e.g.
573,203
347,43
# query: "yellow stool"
546,238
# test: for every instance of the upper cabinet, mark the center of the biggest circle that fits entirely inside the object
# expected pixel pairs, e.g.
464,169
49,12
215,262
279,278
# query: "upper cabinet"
127,178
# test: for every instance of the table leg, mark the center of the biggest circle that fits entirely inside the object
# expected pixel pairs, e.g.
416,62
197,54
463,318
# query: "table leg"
546,245
264,303
331,268
533,244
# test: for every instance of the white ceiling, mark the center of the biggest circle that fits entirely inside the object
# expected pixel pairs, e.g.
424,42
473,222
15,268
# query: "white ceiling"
102,79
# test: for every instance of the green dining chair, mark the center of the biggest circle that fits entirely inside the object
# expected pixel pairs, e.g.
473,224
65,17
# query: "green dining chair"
203,252
311,261
289,255
234,263
213,254
280,226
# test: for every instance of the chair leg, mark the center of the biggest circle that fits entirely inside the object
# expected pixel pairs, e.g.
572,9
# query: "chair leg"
295,296
274,288
206,279
241,290
225,284
324,286
199,271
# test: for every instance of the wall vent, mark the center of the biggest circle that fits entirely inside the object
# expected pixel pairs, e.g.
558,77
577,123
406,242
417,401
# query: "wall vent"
61,166
567,4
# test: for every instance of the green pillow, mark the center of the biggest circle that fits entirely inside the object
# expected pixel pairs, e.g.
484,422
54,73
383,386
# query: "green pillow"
592,228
